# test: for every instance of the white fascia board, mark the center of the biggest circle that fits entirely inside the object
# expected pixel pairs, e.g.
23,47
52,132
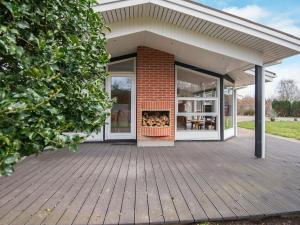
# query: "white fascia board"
107,5
232,22
268,74
277,62
182,35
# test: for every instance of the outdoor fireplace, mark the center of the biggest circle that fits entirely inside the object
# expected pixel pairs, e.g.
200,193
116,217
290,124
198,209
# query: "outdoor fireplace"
156,118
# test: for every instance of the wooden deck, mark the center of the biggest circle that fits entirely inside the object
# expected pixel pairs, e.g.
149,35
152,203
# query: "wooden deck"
123,184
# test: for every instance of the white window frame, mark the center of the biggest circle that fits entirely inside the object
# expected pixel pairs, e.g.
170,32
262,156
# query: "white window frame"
231,132
199,134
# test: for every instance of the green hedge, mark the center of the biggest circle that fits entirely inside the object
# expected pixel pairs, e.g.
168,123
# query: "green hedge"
286,108
296,109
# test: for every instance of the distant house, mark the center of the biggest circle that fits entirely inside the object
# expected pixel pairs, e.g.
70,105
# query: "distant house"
176,66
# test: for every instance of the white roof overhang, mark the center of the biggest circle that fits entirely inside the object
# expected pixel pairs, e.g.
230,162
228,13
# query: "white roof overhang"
244,78
184,24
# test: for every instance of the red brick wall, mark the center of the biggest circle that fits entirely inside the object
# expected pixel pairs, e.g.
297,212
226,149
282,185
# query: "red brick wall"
155,83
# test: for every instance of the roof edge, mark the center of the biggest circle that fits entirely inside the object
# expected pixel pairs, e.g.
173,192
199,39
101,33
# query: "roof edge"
242,18
213,15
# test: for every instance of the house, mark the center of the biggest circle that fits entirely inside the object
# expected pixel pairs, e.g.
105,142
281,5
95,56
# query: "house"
176,66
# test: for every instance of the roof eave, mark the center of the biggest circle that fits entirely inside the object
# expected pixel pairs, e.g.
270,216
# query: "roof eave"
212,15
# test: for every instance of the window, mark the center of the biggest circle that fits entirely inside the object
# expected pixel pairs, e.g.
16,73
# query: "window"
121,66
197,101
191,84
228,104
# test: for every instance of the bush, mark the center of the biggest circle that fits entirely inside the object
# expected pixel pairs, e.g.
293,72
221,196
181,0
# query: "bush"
52,73
282,108
296,109
249,112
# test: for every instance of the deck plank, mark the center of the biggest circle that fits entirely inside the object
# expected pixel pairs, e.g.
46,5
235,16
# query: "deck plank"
218,202
100,209
19,203
26,170
114,207
155,207
23,184
88,206
207,206
128,203
168,208
182,206
189,197
141,200
50,204
84,173
46,195
73,208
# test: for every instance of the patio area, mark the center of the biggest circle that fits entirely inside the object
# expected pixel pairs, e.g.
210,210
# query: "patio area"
118,183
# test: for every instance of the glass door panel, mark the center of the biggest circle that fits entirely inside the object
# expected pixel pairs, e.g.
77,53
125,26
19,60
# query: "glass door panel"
121,124
121,110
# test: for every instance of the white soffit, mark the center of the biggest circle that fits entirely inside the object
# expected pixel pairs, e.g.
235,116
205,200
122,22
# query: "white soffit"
245,78
274,45
183,52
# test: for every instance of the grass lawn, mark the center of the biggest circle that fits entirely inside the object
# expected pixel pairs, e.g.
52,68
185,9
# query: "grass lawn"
288,129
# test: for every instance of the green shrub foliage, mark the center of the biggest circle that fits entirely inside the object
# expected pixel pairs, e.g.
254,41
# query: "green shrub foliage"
52,73
296,109
282,108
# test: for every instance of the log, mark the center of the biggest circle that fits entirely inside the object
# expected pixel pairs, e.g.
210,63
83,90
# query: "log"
155,119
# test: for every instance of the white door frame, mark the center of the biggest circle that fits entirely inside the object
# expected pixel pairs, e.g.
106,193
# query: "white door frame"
132,134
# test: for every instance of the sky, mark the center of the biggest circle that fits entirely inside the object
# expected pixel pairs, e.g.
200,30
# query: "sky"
283,15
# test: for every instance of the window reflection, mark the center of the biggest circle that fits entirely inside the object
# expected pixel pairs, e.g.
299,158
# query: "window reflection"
190,84
228,104
121,110
195,106
123,66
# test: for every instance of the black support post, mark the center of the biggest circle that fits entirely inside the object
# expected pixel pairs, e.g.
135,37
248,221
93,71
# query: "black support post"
221,108
259,111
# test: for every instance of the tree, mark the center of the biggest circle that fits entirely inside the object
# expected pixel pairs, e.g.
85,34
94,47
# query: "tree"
52,73
288,90
282,108
246,106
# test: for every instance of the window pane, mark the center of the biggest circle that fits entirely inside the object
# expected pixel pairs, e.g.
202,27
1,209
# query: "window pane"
228,105
124,66
210,106
190,84
121,110
194,106
196,123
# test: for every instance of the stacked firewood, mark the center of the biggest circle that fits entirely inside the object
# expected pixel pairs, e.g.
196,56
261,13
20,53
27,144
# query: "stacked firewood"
155,119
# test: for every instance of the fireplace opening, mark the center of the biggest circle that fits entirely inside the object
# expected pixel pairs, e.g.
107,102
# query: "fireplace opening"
155,118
